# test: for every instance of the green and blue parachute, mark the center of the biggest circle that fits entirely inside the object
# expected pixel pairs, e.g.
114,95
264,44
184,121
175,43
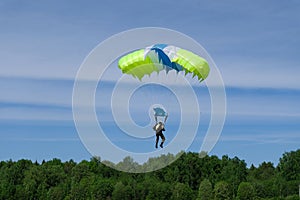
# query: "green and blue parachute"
160,57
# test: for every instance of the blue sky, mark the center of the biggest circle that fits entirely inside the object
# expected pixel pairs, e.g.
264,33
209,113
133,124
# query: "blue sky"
254,44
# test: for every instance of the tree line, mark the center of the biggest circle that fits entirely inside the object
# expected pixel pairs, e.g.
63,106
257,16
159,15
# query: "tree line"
189,177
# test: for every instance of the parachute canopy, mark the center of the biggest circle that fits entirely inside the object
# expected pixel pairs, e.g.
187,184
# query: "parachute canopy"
160,112
160,57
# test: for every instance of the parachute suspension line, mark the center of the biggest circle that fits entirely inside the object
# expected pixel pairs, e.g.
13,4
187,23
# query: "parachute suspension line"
163,57
166,117
152,98
152,91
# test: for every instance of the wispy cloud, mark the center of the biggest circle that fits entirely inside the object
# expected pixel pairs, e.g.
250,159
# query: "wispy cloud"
52,99
264,138
254,45
22,139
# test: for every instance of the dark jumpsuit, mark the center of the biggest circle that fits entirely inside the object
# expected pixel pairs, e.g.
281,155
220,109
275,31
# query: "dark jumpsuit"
161,135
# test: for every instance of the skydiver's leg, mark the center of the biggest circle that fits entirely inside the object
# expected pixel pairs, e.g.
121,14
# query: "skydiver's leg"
157,138
162,140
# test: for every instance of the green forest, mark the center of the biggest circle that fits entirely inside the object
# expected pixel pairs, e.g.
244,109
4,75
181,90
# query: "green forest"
189,177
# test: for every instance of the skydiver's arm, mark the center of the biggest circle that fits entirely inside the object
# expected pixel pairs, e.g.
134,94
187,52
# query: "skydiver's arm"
154,127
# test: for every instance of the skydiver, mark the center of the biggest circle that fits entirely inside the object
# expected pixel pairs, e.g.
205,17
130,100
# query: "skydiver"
159,128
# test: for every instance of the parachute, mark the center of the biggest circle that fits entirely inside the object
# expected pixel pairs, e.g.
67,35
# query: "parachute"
160,57
159,112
